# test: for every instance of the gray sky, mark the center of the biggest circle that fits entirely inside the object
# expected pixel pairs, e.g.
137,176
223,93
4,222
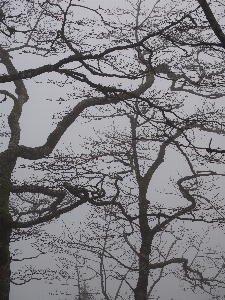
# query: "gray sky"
40,113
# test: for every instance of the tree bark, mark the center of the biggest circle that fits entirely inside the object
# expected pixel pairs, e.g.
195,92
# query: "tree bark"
7,163
141,290
4,262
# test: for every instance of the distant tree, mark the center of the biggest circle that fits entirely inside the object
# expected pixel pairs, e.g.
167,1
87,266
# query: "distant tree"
84,295
115,59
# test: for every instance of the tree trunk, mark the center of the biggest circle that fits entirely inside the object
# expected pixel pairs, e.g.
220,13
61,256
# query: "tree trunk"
7,164
141,290
4,261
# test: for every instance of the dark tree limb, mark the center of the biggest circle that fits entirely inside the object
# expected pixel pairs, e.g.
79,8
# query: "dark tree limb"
212,21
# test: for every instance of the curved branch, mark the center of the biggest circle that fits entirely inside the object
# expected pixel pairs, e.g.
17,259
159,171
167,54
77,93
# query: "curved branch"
55,136
49,216
6,93
53,211
186,269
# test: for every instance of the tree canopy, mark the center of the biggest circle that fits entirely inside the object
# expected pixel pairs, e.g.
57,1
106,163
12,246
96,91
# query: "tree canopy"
140,86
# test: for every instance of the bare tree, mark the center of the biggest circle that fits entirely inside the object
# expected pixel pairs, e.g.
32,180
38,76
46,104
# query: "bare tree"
72,50
148,232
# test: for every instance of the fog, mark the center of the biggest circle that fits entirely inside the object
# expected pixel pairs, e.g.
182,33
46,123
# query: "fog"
155,140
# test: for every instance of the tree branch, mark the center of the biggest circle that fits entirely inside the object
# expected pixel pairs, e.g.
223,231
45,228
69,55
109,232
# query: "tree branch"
212,21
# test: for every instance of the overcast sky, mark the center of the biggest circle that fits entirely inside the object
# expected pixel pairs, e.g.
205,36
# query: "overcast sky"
48,102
